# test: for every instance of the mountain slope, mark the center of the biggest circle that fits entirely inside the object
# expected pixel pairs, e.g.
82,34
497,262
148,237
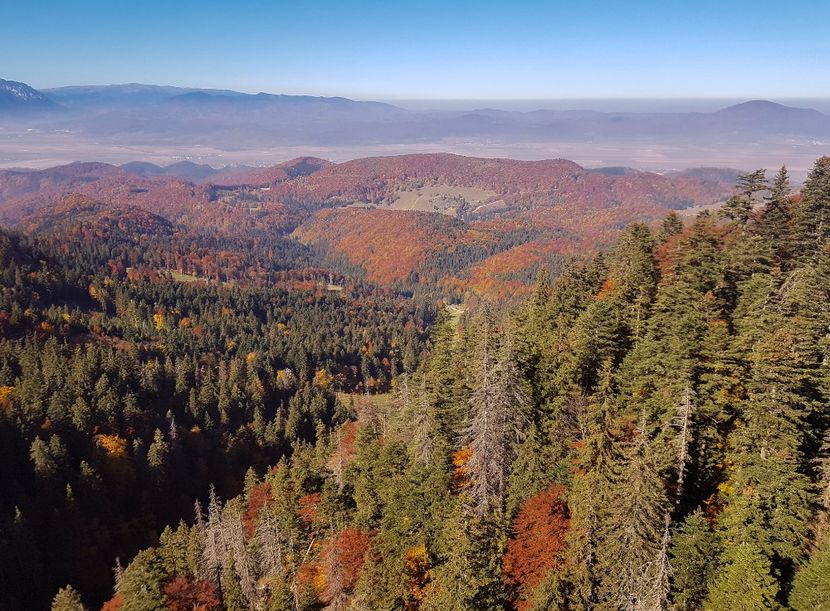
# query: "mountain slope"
16,96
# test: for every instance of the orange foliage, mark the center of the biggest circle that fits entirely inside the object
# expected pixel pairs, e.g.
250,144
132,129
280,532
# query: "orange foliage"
323,378
114,445
607,289
538,542
5,394
460,477
113,604
344,452
389,244
417,566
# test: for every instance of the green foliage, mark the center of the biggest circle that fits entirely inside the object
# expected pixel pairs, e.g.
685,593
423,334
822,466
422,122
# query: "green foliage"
695,553
672,391
745,581
142,584
811,585
67,599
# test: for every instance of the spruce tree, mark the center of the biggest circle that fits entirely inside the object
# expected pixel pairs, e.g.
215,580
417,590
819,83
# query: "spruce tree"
812,212
67,599
775,222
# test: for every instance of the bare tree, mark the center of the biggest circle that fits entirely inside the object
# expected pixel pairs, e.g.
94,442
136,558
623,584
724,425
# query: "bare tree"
234,534
269,543
497,422
684,423
214,549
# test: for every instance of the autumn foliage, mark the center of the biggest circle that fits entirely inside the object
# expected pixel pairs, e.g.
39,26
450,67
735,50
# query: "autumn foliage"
184,594
341,560
537,543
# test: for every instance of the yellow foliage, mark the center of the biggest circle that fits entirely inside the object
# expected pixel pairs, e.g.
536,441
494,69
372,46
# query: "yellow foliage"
114,445
5,393
158,320
416,561
726,489
319,582
250,357
66,317
323,378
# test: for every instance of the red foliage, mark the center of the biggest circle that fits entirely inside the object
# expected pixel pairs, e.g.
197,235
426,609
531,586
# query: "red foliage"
259,497
537,543
113,604
184,594
345,450
347,551
308,507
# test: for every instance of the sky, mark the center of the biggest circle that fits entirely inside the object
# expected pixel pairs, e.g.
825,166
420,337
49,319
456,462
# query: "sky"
426,49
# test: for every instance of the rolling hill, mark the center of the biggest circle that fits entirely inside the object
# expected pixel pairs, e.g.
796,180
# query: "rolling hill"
438,220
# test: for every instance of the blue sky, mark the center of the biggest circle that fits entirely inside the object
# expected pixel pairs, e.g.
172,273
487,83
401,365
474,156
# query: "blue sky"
427,49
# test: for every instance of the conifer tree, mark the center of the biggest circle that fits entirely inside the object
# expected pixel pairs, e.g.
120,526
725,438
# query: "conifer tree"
745,581
597,465
695,555
67,599
812,213
633,561
775,222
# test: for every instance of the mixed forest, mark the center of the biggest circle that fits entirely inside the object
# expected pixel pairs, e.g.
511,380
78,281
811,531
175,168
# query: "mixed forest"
649,429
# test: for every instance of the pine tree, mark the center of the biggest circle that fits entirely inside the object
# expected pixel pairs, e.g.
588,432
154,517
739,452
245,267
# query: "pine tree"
671,226
597,465
233,598
745,581
694,554
812,213
738,208
811,585
67,599
633,562
775,222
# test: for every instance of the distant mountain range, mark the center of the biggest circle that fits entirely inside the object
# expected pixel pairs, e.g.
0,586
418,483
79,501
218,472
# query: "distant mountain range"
136,113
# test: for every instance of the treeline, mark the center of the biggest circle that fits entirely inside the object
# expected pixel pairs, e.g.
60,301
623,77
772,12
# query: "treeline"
649,432
124,396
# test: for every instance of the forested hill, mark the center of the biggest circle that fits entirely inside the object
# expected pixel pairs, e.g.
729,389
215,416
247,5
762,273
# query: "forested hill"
194,419
127,389
648,431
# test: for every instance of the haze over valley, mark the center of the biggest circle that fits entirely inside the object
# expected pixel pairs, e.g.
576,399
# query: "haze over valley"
123,123
434,306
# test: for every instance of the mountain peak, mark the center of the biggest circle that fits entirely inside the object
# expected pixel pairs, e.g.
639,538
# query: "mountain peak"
767,108
20,96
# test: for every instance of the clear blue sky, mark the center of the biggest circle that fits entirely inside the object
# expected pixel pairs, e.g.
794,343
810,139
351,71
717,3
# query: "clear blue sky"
427,49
